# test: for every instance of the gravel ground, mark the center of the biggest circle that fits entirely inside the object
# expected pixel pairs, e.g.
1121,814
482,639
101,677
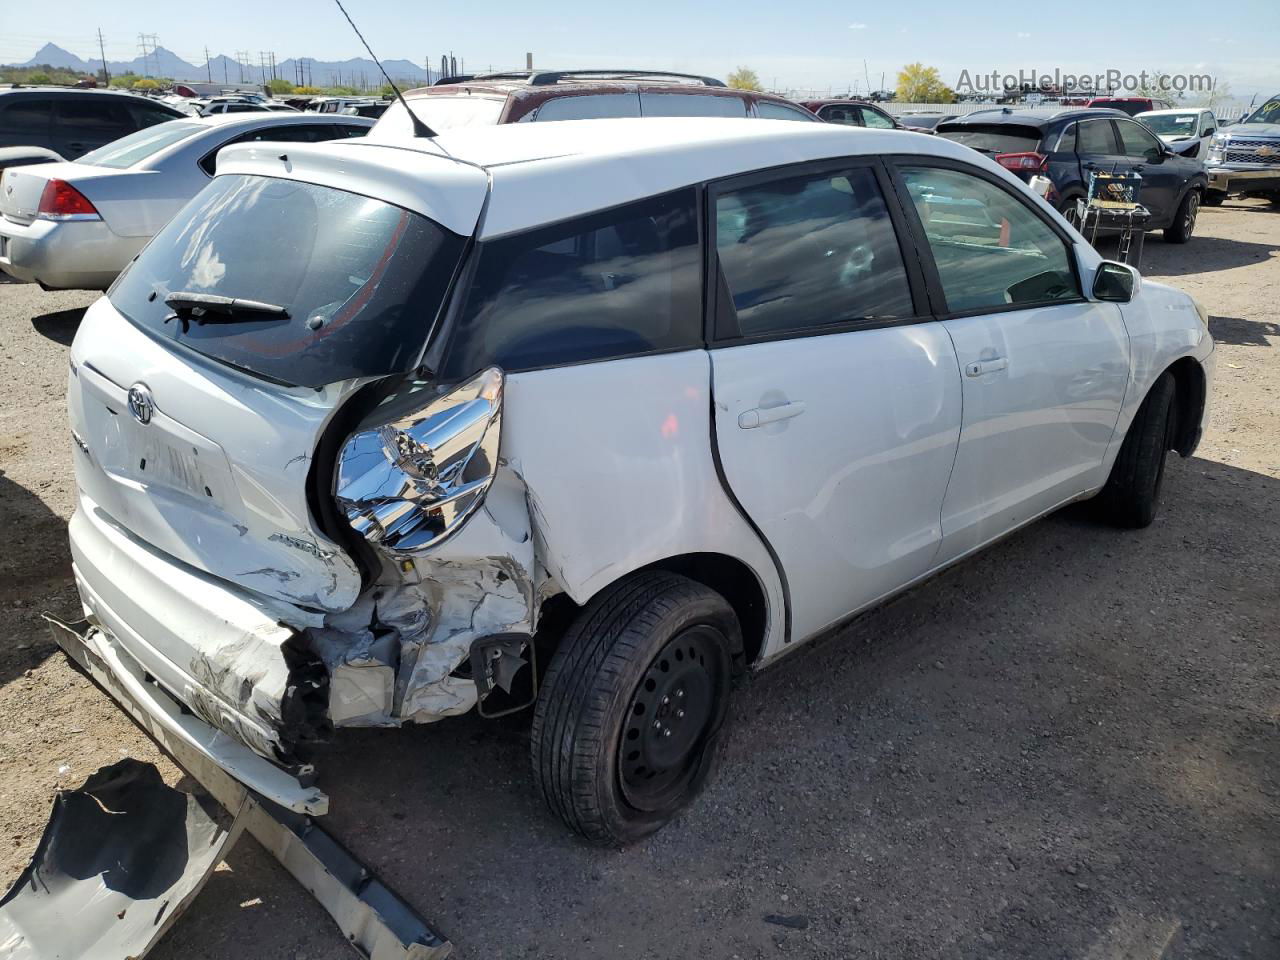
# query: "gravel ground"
1065,747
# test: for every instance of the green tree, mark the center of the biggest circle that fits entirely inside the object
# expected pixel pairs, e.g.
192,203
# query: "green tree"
147,83
1149,86
307,91
920,84
744,78
124,80
42,78
280,86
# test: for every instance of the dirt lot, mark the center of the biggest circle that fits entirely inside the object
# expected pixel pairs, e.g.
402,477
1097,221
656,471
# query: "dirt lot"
1066,747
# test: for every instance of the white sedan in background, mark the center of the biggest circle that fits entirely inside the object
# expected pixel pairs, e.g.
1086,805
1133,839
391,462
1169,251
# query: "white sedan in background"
77,225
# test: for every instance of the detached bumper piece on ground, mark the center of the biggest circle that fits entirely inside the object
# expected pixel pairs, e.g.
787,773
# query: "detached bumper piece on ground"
125,854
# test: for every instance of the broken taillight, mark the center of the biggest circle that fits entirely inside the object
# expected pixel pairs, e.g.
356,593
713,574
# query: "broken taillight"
412,481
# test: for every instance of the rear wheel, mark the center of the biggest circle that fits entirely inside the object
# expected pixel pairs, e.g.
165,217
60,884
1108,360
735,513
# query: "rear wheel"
1184,222
1131,497
628,721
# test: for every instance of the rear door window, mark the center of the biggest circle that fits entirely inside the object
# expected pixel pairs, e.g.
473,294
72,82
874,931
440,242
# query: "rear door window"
839,113
93,118
149,114
772,110
991,250
591,107
361,281
24,121
874,118
809,251
618,283
1096,136
691,105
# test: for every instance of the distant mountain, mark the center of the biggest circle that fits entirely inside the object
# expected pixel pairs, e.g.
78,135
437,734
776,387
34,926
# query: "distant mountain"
359,71
54,56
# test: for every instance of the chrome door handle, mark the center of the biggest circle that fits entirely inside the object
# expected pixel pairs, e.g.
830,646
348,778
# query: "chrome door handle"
759,416
980,367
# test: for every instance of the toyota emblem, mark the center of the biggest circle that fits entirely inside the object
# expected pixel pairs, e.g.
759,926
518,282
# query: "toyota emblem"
140,403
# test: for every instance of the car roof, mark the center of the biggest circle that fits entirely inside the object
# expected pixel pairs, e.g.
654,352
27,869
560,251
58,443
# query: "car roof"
1032,116
540,173
275,118
838,102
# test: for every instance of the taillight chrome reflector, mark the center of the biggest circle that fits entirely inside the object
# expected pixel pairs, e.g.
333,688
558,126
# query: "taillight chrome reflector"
409,483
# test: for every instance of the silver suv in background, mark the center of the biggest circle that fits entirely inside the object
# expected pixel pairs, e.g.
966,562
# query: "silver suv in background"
1244,158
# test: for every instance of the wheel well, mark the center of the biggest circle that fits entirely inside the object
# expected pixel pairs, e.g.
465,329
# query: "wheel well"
1189,376
728,576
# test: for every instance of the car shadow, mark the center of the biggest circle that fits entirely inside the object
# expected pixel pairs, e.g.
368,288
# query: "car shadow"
1240,332
1067,729
35,576
1201,254
59,326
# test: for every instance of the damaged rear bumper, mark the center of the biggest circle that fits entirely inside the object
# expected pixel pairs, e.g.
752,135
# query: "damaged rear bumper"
175,729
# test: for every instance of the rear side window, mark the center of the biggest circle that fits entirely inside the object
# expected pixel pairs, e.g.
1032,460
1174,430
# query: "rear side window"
25,116
991,250
691,105
592,106
809,251
149,114
361,280
993,138
772,110
617,283
285,133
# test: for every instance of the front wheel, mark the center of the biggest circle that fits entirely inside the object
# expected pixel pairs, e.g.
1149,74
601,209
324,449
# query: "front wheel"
1070,212
629,719
1184,222
1131,497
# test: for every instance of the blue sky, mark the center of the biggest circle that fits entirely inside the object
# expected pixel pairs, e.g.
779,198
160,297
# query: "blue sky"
800,46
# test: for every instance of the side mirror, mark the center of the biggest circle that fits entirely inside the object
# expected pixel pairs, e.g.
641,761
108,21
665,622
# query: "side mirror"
1115,282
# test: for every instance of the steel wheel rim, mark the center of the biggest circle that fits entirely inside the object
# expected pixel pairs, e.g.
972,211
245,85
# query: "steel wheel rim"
675,710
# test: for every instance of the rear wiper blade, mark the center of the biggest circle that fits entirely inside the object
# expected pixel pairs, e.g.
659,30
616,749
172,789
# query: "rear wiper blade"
200,305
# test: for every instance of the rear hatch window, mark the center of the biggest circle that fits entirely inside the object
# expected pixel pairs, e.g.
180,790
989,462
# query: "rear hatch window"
992,138
355,283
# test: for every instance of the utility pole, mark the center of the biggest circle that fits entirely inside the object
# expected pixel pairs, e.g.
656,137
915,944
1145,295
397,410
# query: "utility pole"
208,66
147,43
866,75
106,77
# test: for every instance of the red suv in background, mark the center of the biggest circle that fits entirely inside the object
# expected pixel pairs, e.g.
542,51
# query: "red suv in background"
521,97
853,113
1130,105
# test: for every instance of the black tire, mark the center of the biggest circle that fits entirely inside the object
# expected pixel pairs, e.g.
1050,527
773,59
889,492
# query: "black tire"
1275,199
1213,198
1184,221
1131,497
652,647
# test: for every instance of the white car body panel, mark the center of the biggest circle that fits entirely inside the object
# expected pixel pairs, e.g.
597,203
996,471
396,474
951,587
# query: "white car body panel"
880,423
1038,422
899,465
235,507
1205,128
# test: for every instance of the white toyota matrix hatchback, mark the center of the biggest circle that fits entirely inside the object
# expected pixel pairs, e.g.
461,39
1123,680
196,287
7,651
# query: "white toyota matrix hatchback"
591,416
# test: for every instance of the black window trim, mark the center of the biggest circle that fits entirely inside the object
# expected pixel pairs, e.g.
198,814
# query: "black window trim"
925,252
733,337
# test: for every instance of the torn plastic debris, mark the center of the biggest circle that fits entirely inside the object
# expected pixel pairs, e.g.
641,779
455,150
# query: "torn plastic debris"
120,860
